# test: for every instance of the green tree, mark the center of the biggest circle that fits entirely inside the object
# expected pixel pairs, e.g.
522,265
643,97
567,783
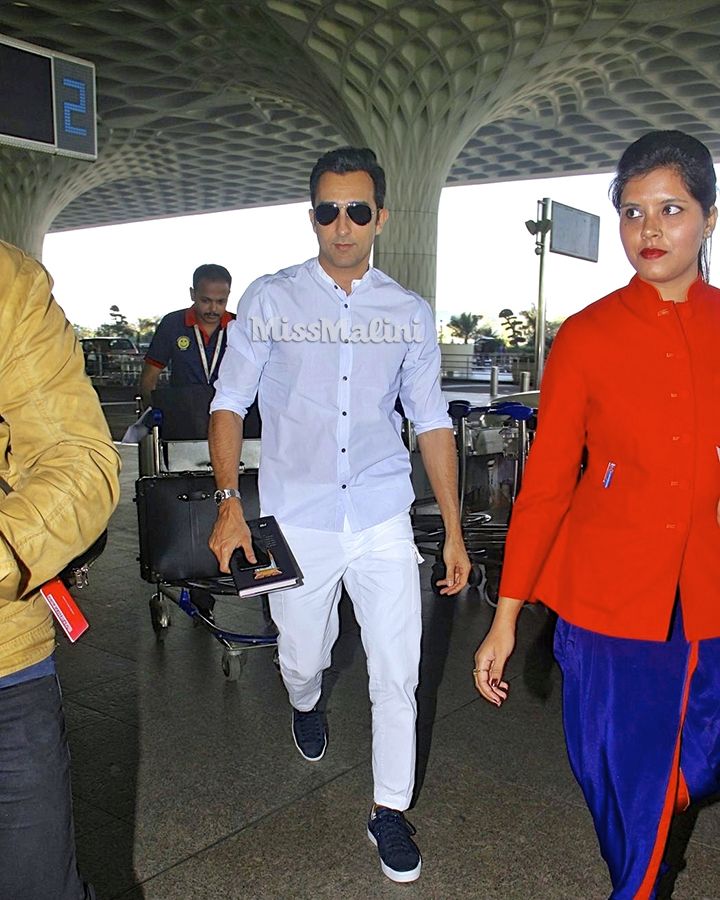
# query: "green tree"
515,327
464,326
145,328
115,329
488,340
119,327
551,328
117,316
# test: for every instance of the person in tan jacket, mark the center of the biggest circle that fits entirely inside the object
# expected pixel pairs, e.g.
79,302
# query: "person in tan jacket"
59,474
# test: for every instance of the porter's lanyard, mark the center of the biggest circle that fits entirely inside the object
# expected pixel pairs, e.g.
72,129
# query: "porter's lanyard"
203,356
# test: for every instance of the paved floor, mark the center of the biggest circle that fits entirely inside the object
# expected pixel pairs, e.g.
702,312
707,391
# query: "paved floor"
189,786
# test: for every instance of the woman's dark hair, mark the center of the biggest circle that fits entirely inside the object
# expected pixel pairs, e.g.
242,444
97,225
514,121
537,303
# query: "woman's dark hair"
350,159
689,157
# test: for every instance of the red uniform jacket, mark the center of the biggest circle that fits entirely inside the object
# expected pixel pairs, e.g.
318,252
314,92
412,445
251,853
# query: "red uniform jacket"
636,381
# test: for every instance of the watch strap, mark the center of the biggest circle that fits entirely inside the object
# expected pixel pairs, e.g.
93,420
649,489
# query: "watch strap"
226,494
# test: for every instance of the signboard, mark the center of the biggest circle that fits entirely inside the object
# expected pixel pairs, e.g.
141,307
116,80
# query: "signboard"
574,232
47,100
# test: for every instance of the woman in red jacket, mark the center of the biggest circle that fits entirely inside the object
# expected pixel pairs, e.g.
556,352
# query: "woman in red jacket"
627,551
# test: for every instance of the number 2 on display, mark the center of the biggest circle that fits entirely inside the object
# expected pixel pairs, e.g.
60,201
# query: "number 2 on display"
70,107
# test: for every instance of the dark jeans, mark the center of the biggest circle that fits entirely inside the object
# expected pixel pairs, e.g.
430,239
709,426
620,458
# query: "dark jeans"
37,840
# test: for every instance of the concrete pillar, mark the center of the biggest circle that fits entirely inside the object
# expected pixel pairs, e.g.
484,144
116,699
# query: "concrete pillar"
406,250
25,207
416,153
35,187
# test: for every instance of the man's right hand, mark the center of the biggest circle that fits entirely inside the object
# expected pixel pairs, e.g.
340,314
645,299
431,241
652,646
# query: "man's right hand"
230,532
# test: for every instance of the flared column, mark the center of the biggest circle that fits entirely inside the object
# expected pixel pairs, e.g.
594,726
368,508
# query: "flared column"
27,205
407,248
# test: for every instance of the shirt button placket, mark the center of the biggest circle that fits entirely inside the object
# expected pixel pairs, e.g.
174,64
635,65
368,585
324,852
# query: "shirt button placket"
345,358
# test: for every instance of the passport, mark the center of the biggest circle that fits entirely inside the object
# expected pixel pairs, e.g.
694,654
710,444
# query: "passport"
275,569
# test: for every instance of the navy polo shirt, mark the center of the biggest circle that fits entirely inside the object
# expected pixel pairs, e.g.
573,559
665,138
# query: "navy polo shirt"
175,345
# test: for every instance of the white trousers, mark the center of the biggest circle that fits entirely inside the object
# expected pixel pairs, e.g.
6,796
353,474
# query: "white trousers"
379,568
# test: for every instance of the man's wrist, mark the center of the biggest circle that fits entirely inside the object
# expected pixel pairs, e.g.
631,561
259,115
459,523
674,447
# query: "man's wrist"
223,494
453,532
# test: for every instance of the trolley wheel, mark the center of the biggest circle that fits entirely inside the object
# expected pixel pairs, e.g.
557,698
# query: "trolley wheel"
437,574
232,663
159,616
491,597
492,587
477,577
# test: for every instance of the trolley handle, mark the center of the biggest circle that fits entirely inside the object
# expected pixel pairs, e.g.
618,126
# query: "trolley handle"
461,409
517,411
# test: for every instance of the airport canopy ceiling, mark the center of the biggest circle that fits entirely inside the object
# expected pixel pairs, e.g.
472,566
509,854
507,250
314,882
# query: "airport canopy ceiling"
208,105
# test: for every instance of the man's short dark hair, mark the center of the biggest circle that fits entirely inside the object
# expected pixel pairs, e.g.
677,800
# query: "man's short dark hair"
350,159
211,272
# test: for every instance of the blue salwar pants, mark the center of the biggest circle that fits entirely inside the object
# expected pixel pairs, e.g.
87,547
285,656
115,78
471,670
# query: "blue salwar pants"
642,728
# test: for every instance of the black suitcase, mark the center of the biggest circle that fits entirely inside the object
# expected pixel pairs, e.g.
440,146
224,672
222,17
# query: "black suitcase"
176,514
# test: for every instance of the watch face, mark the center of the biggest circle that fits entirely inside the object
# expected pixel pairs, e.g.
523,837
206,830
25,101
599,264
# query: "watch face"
225,494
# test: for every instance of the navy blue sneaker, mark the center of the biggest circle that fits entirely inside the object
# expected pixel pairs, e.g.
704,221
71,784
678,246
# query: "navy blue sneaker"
392,834
308,730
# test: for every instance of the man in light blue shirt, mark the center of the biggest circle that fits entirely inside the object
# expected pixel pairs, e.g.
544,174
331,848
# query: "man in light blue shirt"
329,346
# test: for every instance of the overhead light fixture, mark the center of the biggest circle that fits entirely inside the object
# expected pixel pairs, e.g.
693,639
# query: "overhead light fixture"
541,226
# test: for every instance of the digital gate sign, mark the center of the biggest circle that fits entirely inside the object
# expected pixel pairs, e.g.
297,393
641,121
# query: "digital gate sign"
47,100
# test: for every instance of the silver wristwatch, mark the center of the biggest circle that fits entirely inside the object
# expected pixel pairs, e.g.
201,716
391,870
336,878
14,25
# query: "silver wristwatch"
226,494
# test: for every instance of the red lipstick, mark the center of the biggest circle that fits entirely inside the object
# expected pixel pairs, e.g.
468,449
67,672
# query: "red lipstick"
652,253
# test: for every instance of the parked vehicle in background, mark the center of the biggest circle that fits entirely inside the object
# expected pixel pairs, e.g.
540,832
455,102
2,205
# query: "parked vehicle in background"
112,358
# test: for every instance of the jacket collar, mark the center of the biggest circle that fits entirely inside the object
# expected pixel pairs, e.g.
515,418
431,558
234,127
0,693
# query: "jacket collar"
645,300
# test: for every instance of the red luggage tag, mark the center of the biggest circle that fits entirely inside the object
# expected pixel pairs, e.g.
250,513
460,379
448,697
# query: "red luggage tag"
68,614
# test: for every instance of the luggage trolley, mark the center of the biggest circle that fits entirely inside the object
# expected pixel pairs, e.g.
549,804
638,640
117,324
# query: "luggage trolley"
176,512
483,533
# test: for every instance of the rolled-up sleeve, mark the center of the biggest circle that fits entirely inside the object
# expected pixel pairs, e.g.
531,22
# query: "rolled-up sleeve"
248,349
420,389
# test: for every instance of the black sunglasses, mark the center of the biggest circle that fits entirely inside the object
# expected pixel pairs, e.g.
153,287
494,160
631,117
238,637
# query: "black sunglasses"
359,213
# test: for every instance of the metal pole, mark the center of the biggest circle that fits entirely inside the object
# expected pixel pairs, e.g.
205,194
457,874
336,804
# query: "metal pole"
543,212
521,456
462,462
494,380
524,382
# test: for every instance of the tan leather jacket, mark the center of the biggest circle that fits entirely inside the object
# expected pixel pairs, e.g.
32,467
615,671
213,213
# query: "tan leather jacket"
55,451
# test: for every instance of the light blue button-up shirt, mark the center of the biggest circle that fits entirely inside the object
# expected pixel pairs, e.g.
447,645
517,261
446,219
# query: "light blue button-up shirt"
328,368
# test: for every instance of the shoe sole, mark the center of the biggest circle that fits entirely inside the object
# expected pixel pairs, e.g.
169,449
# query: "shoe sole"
308,758
399,877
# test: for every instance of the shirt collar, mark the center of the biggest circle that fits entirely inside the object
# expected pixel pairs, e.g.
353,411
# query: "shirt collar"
191,318
327,278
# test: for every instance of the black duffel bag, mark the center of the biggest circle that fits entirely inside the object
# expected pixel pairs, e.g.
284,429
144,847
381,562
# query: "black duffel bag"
176,514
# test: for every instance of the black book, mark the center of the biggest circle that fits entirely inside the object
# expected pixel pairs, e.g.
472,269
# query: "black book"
275,569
